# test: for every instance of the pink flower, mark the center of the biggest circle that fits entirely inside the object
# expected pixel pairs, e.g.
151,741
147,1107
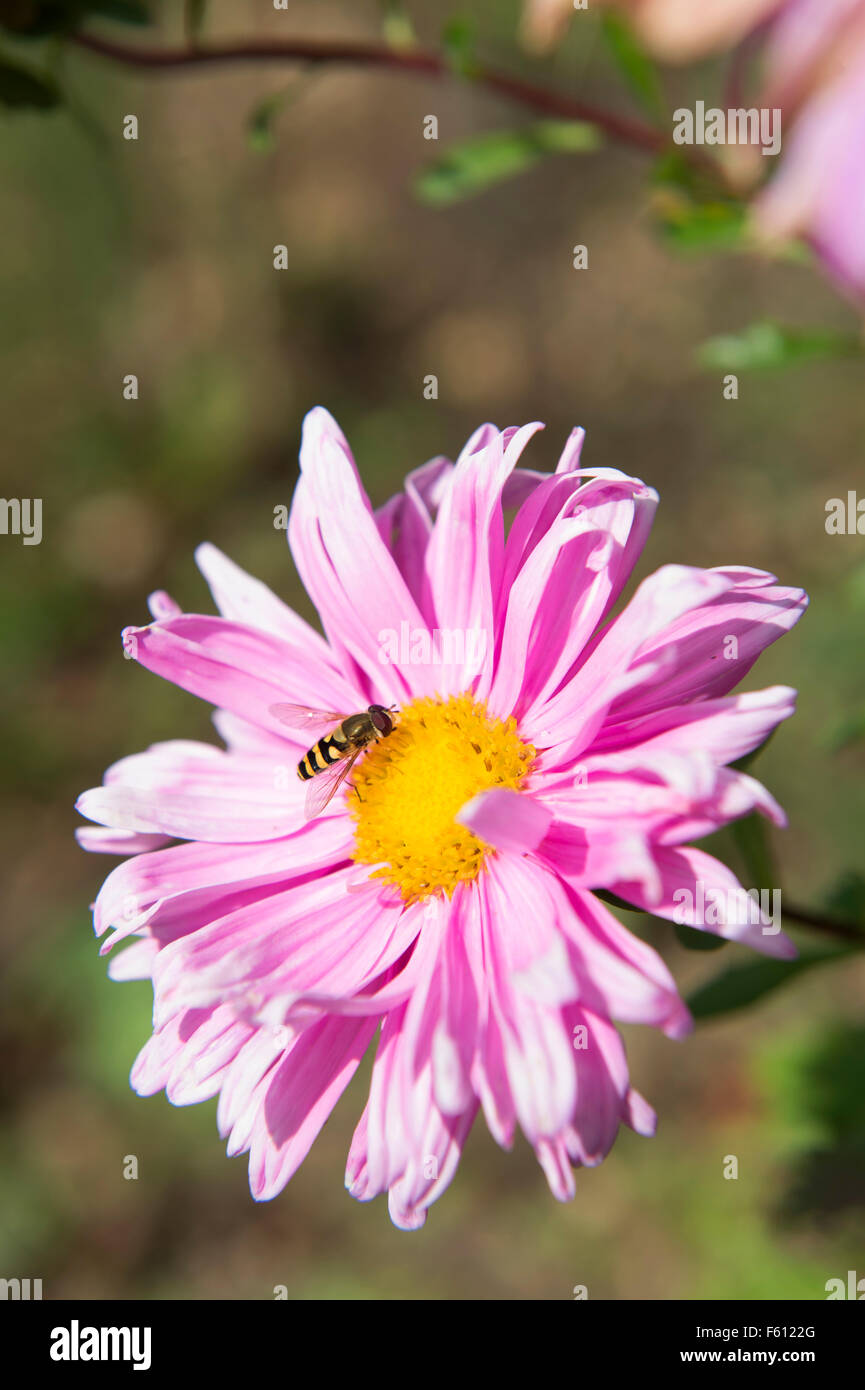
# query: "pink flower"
545,21
677,30
815,65
448,896
682,30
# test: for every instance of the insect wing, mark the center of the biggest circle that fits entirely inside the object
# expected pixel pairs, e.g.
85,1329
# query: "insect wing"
322,787
305,719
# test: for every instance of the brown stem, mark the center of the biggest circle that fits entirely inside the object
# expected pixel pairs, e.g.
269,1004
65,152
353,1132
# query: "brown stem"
803,917
360,54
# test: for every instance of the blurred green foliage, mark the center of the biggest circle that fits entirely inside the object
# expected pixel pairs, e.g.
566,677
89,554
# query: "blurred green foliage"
479,163
769,345
40,19
745,984
21,87
639,71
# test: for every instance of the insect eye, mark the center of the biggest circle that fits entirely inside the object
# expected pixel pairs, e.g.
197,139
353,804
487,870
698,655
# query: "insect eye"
382,721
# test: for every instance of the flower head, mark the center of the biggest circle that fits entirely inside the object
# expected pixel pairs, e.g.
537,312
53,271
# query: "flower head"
443,898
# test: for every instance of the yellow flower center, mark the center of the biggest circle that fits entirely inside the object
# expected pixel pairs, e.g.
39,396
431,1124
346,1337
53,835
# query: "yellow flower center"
412,784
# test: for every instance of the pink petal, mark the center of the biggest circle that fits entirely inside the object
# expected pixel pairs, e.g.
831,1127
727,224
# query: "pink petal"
689,877
197,792
239,668
190,1055
100,839
405,525
302,1090
686,659
178,890
403,1144
345,566
723,729
620,976
536,1051
163,607
465,554
507,820
569,554
574,716
312,936
135,963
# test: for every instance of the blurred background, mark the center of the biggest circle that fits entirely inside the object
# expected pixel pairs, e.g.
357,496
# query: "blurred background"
155,257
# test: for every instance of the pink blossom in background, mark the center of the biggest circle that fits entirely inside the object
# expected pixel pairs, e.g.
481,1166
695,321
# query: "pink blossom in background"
675,30
681,30
809,43
444,914
812,54
815,70
545,21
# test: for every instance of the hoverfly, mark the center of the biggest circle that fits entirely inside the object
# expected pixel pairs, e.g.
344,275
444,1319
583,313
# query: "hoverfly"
328,762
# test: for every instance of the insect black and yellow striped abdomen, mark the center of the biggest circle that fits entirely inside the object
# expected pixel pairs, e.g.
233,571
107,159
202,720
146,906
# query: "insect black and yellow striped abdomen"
328,750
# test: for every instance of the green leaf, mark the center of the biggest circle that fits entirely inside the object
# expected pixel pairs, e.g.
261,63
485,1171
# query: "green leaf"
817,1087
846,901
613,900
716,224
769,345
491,158
745,984
458,43
260,124
638,70
696,214
39,18
262,118
195,13
19,87
396,25
673,169
694,940
751,837
122,11
565,137
832,1082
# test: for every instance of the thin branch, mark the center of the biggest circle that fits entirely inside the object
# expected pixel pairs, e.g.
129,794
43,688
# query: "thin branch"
624,129
817,920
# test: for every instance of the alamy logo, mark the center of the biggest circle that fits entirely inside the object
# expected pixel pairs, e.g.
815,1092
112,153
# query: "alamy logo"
20,1289
712,907
75,1343
854,1288
846,520
21,516
738,126
442,646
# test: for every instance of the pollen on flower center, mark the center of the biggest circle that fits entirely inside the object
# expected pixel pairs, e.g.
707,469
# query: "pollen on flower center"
412,784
